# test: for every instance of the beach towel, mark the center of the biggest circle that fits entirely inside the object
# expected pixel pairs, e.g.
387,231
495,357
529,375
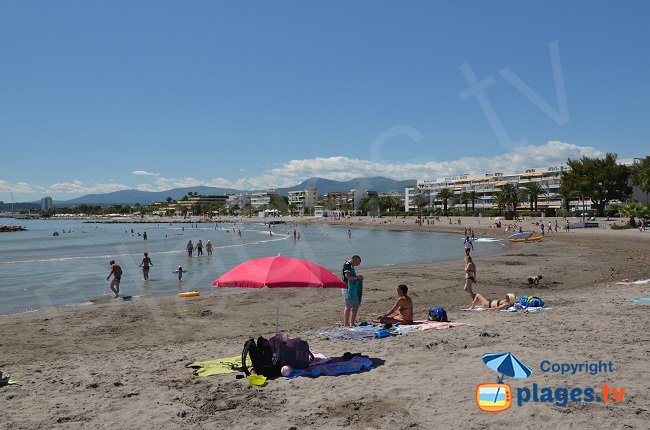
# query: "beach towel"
517,307
434,325
354,365
641,300
639,282
219,366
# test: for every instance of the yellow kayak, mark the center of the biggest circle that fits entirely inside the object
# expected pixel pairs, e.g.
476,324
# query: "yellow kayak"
527,239
189,294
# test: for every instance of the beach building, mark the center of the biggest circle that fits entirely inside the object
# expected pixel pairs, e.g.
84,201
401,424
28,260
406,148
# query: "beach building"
204,200
46,204
304,199
487,186
263,198
338,199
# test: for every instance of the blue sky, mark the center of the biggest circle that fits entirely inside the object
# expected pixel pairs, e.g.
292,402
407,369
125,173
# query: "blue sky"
97,96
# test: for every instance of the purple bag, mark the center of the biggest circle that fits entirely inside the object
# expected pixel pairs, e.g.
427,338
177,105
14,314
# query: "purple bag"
292,352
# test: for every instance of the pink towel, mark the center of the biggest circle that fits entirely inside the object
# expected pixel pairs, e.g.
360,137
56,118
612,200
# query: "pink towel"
433,325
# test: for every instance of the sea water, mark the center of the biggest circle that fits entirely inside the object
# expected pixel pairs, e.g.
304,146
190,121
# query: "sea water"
40,270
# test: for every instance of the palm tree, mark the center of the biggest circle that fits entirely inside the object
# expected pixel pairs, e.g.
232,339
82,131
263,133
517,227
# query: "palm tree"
501,201
473,196
464,198
420,202
445,194
292,208
508,197
633,210
534,190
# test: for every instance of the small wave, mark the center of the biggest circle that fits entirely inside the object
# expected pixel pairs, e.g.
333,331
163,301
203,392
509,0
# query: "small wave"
130,254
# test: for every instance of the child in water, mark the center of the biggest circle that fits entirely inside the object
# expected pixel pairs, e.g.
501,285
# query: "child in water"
180,272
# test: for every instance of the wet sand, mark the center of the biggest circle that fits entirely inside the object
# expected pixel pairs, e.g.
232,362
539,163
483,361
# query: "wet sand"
121,364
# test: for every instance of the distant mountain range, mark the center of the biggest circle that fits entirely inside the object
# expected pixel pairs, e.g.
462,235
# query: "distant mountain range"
130,197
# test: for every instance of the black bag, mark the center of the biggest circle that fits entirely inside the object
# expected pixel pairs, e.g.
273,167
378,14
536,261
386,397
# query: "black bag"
291,352
262,358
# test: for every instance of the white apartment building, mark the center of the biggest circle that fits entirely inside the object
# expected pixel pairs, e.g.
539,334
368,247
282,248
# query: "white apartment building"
303,199
487,186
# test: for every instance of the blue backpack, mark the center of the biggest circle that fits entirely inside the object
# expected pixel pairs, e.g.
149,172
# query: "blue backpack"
438,314
531,302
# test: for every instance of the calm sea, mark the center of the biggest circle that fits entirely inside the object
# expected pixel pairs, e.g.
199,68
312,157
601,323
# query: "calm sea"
40,270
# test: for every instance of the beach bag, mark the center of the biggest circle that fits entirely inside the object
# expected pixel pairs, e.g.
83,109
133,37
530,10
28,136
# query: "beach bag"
531,302
262,358
438,314
292,352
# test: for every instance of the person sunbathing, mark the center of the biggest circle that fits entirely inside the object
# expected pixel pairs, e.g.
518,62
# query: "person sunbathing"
402,312
481,302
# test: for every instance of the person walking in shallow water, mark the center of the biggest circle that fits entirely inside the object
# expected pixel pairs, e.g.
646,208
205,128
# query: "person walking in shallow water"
190,248
146,263
208,248
116,272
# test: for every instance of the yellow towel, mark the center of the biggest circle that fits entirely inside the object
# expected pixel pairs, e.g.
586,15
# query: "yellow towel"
219,366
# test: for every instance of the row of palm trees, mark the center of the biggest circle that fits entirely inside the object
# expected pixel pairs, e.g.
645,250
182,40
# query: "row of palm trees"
508,197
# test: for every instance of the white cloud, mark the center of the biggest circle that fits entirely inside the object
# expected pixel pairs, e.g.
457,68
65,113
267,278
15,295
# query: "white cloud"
18,187
144,173
342,168
338,168
78,187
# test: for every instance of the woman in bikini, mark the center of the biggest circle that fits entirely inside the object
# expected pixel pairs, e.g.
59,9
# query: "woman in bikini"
402,312
481,302
470,275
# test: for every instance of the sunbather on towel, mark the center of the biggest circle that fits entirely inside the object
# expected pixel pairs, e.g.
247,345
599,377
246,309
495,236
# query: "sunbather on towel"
402,312
481,302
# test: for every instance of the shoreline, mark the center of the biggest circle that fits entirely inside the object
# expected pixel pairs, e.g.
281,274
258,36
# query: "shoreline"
142,346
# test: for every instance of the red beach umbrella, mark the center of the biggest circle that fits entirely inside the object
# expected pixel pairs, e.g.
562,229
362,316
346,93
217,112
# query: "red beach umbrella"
278,272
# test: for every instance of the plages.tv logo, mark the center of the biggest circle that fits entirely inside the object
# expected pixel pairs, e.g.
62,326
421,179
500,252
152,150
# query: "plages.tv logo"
497,397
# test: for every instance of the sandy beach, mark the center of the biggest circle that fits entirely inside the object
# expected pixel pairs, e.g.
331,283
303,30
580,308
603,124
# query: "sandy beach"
121,364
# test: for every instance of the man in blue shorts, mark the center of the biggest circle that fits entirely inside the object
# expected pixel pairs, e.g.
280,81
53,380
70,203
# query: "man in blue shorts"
353,292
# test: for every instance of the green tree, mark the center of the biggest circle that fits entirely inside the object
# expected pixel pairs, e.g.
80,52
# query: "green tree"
632,210
370,204
473,197
419,201
445,194
169,200
641,176
507,198
599,179
464,199
533,190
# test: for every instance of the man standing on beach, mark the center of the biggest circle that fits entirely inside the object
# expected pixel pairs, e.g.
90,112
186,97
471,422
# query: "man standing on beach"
353,292
116,272
146,263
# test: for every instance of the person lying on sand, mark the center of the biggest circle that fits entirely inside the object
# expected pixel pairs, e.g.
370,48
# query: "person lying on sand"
402,312
481,302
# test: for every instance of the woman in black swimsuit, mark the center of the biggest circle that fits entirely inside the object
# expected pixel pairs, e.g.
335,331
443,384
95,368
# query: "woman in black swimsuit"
481,302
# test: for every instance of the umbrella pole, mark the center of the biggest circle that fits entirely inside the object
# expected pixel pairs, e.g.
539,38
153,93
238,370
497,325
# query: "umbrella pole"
277,312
